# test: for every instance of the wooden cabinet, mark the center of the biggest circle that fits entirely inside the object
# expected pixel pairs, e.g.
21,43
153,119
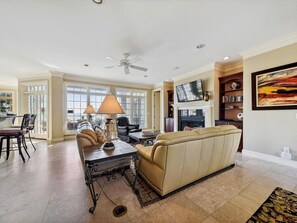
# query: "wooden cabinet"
169,124
231,101
169,121
170,103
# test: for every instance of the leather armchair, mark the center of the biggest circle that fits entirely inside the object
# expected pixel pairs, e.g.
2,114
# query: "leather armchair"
124,128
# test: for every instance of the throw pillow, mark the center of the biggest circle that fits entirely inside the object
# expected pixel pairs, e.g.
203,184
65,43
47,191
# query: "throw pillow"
101,137
187,128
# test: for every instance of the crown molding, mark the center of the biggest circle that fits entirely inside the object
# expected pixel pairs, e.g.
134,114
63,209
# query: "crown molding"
33,76
57,74
76,78
200,70
271,45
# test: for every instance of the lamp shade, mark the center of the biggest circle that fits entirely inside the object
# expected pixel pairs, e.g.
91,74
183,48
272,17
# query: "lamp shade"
89,110
110,105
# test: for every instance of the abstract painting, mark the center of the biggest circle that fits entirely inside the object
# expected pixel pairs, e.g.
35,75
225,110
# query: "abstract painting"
275,88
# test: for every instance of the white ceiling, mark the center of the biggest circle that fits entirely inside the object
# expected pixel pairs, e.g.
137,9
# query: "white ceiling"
63,35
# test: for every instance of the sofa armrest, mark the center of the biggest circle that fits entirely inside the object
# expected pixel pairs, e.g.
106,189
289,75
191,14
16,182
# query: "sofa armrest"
133,126
145,152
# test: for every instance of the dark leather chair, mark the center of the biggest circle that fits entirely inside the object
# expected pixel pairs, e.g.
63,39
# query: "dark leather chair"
124,128
19,134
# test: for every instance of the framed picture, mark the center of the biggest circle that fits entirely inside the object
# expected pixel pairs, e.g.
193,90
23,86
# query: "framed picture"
275,88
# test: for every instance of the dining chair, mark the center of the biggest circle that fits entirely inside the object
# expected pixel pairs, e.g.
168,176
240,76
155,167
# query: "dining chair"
19,134
31,127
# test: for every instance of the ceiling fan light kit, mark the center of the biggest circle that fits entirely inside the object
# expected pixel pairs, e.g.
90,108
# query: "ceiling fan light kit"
98,1
127,65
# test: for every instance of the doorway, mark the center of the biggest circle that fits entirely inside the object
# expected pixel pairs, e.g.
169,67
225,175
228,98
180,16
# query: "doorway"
156,110
36,97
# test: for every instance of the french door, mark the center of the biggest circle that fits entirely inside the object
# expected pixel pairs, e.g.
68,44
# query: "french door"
37,104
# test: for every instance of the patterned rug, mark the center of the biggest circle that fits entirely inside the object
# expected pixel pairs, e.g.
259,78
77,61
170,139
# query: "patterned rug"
280,206
145,194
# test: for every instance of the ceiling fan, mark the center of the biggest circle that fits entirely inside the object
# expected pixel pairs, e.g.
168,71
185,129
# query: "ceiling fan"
127,64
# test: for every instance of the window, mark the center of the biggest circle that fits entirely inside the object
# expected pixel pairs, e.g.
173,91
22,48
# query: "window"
5,102
77,99
134,104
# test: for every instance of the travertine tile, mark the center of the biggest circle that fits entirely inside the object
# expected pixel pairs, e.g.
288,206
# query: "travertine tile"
273,179
155,216
187,209
210,219
230,213
251,198
50,187
211,195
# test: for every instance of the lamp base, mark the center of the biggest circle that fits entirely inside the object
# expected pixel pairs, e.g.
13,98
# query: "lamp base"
108,146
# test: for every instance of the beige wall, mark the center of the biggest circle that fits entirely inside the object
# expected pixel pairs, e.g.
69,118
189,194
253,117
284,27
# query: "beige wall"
268,131
208,85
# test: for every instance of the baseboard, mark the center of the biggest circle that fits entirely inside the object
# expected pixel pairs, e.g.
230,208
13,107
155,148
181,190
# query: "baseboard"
57,140
270,158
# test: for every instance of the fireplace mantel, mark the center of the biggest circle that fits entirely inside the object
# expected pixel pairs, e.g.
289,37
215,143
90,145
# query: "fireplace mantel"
207,110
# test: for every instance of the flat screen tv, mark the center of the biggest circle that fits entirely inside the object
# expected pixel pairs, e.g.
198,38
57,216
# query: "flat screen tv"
191,91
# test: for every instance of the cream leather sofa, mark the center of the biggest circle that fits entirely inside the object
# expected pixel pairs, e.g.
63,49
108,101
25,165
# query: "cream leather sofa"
88,136
179,158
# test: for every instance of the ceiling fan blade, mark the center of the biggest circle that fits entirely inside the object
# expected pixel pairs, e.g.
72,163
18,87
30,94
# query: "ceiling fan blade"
109,67
127,71
138,68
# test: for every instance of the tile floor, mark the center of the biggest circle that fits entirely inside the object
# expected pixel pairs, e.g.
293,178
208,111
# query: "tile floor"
50,187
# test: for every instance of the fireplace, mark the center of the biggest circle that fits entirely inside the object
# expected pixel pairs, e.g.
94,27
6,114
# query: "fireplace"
191,118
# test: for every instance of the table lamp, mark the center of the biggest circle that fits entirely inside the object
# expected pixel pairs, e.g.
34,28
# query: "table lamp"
89,110
110,106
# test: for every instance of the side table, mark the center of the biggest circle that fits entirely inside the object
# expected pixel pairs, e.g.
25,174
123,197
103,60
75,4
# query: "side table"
101,162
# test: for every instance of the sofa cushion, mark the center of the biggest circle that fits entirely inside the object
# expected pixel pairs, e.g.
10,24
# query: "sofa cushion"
174,135
90,132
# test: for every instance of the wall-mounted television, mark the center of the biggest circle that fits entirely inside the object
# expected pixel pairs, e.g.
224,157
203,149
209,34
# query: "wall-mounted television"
191,91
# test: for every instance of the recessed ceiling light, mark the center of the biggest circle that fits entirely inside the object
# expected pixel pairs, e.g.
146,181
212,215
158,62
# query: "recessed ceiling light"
226,58
200,46
86,65
109,58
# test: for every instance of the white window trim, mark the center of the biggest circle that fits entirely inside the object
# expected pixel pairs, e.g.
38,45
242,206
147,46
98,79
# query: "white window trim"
88,86
146,104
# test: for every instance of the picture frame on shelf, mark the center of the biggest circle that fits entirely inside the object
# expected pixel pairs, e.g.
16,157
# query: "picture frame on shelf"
275,88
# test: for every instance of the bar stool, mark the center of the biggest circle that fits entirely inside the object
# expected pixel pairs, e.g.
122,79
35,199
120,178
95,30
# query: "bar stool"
18,133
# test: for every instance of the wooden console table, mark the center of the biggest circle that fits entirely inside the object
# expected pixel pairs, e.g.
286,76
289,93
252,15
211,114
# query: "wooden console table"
101,162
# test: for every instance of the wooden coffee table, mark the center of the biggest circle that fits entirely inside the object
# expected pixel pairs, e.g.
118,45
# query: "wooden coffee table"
144,139
101,162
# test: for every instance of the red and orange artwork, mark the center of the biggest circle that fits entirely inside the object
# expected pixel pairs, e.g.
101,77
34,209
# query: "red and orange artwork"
277,88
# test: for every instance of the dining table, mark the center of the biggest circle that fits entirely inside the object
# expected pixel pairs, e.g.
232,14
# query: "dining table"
6,121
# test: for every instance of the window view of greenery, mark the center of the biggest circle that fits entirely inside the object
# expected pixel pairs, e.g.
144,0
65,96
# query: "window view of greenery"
5,102
134,104
77,99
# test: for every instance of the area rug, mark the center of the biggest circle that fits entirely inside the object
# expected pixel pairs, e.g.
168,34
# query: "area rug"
145,194
280,206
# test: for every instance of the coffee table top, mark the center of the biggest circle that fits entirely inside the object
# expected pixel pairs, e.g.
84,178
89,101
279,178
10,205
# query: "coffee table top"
99,154
139,136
